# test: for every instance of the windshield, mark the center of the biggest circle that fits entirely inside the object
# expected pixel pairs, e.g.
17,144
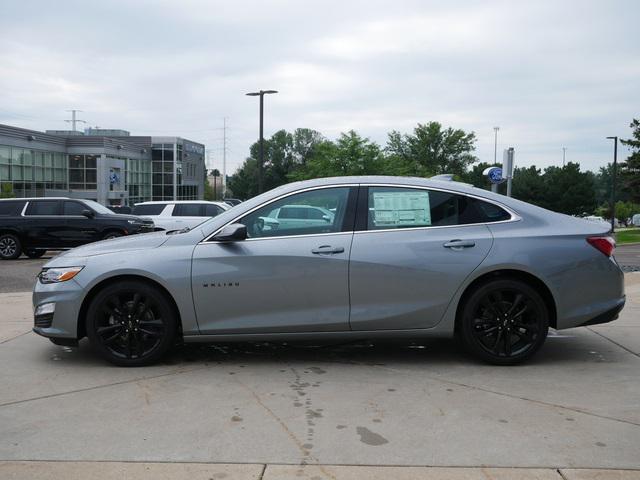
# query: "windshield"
98,208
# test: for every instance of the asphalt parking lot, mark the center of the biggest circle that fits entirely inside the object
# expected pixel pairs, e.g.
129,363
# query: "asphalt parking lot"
278,411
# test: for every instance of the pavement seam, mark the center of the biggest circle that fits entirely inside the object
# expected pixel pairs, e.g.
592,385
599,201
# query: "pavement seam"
264,469
97,387
539,402
286,464
13,338
614,342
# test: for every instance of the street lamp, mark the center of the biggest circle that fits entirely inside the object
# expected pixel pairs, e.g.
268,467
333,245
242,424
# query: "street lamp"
613,181
494,186
261,94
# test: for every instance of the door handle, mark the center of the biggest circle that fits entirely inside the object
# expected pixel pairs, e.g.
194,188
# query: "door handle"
459,244
327,250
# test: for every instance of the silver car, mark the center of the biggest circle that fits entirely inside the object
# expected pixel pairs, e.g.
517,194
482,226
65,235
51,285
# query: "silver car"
399,257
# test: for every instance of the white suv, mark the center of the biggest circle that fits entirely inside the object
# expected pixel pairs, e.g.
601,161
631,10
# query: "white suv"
176,215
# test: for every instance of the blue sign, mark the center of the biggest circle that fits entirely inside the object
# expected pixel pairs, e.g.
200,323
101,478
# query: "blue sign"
114,179
494,174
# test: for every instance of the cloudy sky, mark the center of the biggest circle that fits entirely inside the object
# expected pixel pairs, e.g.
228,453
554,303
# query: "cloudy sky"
548,73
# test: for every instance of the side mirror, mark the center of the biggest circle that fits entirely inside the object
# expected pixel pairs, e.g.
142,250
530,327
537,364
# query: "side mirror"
88,213
232,233
326,218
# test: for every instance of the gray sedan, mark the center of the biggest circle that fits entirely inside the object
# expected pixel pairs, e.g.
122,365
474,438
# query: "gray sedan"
399,257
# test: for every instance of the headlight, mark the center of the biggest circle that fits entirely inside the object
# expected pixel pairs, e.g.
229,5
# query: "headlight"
58,275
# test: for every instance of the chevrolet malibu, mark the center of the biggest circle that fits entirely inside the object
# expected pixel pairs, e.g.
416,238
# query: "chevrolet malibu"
398,257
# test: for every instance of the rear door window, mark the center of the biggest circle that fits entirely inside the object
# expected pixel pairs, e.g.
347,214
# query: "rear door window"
187,210
398,207
43,207
152,209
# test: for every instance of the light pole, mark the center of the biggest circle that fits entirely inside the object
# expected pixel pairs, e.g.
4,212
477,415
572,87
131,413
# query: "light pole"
613,182
494,187
564,155
261,94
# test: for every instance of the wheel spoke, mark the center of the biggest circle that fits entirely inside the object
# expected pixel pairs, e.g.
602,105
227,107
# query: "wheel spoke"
151,333
507,344
109,328
516,302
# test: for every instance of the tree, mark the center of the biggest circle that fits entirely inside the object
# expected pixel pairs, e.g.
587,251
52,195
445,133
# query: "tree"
430,150
568,190
351,154
6,191
244,183
630,170
529,185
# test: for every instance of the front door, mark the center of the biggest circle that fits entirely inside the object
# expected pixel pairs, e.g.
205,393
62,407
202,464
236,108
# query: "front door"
79,229
290,279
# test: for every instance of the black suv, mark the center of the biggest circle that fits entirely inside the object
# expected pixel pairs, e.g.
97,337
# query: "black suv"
34,225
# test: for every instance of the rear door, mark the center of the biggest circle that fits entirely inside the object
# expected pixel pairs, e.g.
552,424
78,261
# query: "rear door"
412,251
46,225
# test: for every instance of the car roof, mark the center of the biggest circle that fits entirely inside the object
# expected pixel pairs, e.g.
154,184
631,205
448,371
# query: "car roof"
172,202
26,199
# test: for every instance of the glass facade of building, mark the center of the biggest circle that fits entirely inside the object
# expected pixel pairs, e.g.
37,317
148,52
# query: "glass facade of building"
29,172
118,170
138,180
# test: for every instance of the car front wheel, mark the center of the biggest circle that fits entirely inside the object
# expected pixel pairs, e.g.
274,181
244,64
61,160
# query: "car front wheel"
503,322
131,323
34,253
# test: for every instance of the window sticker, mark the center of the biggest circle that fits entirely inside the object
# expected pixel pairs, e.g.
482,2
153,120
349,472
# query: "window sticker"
401,209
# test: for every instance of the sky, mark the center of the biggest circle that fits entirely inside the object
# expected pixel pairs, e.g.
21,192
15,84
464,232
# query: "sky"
550,74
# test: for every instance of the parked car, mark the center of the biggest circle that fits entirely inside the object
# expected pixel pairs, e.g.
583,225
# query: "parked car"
176,215
232,202
297,216
34,225
399,257
635,220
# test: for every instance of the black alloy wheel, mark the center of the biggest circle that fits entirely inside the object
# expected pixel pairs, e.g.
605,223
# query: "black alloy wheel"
504,322
131,323
10,248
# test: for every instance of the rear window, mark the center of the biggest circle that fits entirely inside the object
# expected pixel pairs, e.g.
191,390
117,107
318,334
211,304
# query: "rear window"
212,210
152,209
43,207
187,210
11,208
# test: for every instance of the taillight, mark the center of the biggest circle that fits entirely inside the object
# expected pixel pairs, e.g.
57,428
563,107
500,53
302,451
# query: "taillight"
605,244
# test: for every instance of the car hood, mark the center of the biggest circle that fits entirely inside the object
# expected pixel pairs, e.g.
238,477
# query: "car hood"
133,242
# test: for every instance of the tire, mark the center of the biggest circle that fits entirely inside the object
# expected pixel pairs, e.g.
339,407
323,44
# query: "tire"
131,323
503,322
34,253
10,247
110,235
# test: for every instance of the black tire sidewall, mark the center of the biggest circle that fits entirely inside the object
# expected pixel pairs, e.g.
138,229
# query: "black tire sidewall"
167,311
18,251
467,312
34,253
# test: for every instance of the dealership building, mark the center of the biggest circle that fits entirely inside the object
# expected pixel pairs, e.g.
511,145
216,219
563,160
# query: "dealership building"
109,166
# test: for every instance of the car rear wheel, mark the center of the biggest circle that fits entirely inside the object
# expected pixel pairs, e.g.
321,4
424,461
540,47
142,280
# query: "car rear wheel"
34,253
131,323
503,322
10,248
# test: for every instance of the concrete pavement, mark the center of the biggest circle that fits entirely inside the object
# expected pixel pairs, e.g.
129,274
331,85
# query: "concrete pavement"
276,408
